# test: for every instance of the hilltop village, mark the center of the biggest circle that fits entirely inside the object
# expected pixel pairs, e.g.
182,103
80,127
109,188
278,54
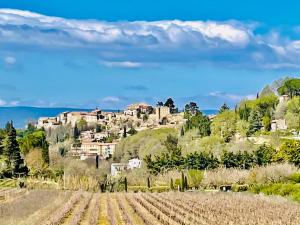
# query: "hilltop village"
97,132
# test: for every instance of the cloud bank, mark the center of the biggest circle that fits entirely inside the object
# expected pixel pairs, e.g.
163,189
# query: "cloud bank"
136,44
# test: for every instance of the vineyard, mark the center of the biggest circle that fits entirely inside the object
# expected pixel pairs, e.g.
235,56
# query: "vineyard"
51,207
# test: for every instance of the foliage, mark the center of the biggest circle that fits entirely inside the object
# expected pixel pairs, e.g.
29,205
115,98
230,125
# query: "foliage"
11,152
266,122
243,160
190,110
224,125
143,143
200,122
242,127
280,110
35,162
255,121
290,87
272,173
36,139
293,113
283,189
289,151
264,155
132,131
223,108
195,178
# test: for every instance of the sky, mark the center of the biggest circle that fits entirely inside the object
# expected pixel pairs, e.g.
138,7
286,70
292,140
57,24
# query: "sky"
109,54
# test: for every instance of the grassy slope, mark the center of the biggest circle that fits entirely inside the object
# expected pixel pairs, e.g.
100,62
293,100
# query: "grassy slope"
144,142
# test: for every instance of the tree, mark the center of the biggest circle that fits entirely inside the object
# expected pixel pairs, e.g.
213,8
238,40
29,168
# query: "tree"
223,108
182,132
170,103
266,122
290,87
124,132
293,113
224,125
76,132
35,162
264,155
82,125
255,123
200,122
158,104
145,117
289,151
132,131
11,151
190,110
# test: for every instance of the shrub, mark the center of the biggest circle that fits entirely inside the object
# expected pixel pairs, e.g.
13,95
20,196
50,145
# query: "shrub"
222,176
283,189
136,189
159,189
272,173
240,188
195,178
295,177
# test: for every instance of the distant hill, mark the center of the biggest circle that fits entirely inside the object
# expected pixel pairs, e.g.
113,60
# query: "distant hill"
22,114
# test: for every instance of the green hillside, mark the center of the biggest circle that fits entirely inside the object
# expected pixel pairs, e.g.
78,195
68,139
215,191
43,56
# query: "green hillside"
143,143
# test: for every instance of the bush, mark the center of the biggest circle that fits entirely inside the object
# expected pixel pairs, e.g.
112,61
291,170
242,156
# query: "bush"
239,188
295,177
159,189
137,189
287,190
195,178
272,173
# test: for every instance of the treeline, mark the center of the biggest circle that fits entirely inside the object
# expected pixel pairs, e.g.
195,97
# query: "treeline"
23,152
173,158
249,116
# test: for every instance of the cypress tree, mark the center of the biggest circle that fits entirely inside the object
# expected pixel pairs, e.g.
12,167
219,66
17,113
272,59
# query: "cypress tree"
186,183
182,181
182,132
45,149
124,132
11,150
172,184
148,182
97,161
125,184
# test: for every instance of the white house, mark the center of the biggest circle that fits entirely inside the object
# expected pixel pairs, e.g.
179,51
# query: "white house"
116,168
134,163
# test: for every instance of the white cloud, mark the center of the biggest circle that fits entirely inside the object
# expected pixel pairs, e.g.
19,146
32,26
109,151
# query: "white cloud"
14,103
141,43
231,97
125,64
2,102
111,99
9,60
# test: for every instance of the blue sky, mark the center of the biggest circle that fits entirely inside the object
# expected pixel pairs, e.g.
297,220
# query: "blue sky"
108,54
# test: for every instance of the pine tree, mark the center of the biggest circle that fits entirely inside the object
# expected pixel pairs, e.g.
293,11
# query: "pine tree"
223,108
255,123
11,151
